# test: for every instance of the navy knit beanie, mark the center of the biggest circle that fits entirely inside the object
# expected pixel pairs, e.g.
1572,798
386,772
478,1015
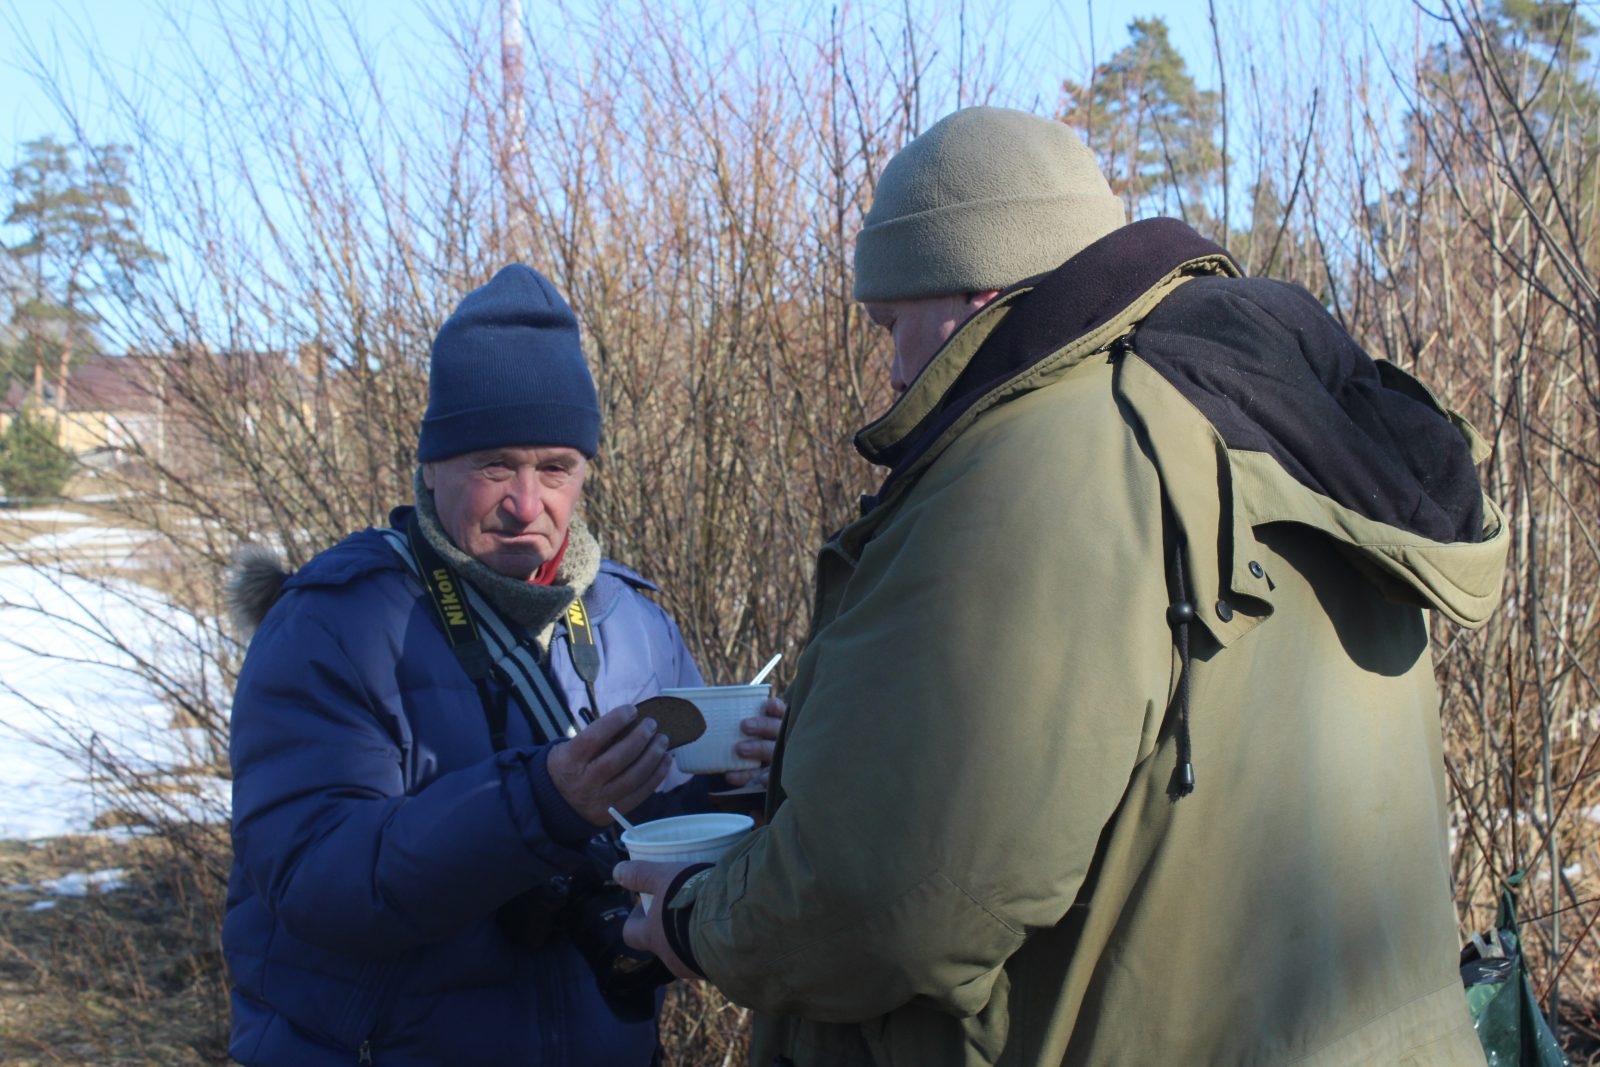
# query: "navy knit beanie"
507,371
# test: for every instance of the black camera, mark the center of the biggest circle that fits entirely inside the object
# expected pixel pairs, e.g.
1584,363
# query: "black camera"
590,909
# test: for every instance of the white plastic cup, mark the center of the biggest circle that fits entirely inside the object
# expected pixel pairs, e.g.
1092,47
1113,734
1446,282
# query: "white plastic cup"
723,707
685,839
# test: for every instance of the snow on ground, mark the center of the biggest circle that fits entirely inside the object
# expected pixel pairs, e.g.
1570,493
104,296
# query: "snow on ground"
74,703
109,546
77,883
45,515
80,883
107,537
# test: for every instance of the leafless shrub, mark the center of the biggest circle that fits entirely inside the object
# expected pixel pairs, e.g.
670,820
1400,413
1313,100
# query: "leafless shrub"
1482,278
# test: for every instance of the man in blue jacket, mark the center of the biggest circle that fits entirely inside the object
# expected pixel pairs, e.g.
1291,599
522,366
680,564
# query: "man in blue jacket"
415,835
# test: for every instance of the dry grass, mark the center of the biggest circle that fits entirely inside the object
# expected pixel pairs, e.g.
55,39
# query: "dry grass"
123,978
699,1028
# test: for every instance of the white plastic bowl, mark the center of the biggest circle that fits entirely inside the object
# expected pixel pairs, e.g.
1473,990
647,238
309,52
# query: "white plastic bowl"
685,839
723,707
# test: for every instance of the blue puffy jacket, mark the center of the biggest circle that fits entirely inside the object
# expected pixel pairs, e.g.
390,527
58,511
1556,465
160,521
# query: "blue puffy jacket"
376,831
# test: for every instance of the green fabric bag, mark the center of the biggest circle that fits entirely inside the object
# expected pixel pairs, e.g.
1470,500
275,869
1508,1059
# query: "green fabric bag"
1512,1029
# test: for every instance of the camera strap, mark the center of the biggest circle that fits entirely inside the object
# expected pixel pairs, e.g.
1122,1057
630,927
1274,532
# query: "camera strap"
585,653
484,642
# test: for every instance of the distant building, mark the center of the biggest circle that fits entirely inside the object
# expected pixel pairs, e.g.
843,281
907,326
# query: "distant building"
111,404
114,406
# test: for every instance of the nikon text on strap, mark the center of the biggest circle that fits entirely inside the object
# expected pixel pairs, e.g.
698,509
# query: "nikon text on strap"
585,653
483,643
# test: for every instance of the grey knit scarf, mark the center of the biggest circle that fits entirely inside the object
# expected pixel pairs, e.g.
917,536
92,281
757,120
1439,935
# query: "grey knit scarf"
535,607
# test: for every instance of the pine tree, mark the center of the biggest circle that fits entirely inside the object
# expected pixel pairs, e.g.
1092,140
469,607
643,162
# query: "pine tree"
32,464
81,234
1153,129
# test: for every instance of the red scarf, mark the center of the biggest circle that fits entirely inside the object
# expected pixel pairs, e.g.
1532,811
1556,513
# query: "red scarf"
546,574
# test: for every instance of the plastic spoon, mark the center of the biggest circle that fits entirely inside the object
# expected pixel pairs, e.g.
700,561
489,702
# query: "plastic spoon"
766,670
617,815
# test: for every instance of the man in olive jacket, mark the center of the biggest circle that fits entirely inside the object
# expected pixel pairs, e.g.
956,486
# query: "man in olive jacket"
1116,739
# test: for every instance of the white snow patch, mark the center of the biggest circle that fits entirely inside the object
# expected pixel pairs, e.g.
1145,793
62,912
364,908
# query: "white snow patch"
102,536
44,515
79,711
41,905
79,883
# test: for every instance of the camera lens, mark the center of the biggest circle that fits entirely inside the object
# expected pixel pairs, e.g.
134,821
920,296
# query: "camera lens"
591,911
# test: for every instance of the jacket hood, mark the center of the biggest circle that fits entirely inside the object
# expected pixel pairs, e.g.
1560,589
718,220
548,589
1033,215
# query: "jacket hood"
252,584
1286,410
1274,373
1256,391
258,577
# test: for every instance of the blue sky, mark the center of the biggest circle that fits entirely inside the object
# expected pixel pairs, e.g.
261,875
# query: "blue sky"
56,57
139,39
150,49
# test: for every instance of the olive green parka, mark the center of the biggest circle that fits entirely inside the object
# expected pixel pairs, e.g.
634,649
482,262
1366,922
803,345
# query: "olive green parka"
976,851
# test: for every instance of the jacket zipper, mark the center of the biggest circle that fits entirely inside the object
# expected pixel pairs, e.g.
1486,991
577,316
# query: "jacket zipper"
387,981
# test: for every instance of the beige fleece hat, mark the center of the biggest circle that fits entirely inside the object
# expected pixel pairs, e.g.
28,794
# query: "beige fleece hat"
982,199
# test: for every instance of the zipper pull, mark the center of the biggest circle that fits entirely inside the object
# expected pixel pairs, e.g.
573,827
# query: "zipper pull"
365,1053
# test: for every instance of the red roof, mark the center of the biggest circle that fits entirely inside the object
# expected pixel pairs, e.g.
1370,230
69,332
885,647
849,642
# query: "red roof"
112,383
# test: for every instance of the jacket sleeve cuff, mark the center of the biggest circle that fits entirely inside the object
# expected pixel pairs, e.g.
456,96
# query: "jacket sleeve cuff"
680,913
563,825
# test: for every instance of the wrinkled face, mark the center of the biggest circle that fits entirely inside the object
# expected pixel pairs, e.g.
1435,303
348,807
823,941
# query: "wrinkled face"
508,508
921,327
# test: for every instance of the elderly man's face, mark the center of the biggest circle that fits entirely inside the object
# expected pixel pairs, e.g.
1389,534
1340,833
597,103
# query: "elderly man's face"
508,508
921,327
